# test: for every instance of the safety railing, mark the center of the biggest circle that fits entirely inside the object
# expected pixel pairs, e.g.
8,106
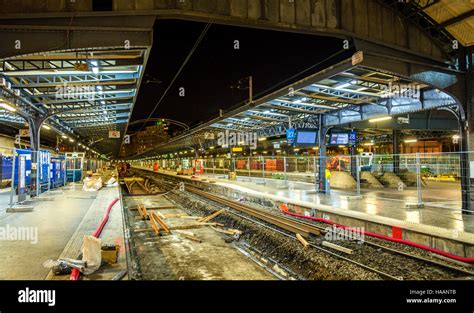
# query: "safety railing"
417,180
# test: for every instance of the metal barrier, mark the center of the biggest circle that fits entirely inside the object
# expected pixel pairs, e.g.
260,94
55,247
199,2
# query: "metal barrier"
417,180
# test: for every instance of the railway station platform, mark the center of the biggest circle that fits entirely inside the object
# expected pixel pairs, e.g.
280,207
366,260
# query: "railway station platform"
55,229
438,227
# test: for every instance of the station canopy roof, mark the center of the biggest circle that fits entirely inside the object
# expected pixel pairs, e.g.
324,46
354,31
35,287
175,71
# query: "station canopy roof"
341,94
86,93
456,17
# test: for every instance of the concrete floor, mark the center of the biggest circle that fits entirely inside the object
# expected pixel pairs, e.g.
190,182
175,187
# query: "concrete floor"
55,221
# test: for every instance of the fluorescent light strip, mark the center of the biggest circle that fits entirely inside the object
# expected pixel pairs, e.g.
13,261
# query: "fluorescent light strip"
380,119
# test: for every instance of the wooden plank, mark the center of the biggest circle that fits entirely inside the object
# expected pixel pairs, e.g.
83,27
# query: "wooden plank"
337,247
302,240
191,238
185,232
143,212
189,235
164,207
210,217
194,225
154,225
142,230
228,231
154,207
163,225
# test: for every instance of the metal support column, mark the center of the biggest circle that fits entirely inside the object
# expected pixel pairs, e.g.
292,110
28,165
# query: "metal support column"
35,128
396,150
465,170
354,166
322,156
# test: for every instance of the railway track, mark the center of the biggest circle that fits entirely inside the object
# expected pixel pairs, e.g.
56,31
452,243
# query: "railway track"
403,265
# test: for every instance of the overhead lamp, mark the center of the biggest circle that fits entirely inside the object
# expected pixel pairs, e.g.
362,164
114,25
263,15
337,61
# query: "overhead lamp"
296,149
410,140
71,140
342,86
63,136
46,127
456,137
368,144
210,148
95,69
7,106
262,139
380,119
315,148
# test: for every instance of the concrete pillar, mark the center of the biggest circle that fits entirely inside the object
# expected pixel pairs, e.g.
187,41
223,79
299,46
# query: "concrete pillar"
396,150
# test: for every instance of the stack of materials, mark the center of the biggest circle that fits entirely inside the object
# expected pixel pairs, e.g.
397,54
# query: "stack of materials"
92,184
372,182
342,180
391,180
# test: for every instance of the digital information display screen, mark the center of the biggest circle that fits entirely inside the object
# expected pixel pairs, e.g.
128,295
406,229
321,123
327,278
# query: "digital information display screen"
339,139
306,137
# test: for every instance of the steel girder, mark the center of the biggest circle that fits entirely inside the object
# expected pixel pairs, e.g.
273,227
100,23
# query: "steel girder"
352,92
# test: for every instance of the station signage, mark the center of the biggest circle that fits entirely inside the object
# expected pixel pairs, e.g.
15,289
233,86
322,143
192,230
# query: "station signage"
276,145
114,134
25,132
352,138
290,136
357,58
236,149
209,135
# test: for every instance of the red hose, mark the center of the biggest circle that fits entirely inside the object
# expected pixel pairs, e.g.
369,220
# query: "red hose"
75,272
406,242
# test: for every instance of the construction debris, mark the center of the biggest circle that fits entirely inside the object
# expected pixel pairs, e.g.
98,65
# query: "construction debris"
189,235
143,212
229,231
302,240
210,217
337,247
154,224
162,224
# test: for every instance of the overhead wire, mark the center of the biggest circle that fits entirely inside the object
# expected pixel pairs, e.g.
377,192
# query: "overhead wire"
186,60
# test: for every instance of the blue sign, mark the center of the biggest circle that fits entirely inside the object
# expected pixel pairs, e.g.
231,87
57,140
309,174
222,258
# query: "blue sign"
290,136
352,138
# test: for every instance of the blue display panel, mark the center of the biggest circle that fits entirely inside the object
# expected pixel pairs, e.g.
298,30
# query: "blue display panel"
306,137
